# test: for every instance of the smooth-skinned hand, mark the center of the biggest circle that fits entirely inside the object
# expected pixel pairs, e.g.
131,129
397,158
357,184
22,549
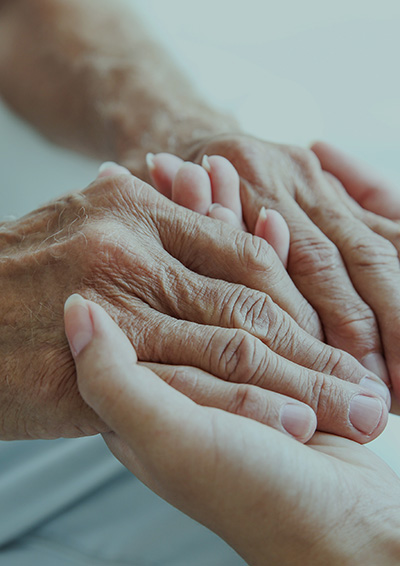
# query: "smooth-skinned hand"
274,500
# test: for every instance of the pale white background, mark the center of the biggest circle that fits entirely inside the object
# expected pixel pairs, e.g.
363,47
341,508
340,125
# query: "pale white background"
291,71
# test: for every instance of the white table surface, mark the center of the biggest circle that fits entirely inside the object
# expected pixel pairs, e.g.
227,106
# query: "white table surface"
290,71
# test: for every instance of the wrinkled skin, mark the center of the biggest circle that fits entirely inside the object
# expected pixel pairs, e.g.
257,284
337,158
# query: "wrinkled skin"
170,278
343,260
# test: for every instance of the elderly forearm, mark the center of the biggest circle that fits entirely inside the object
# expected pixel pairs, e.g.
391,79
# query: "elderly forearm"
88,76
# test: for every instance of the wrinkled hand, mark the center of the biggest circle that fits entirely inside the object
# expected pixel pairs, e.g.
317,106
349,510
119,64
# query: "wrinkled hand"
187,291
341,264
273,500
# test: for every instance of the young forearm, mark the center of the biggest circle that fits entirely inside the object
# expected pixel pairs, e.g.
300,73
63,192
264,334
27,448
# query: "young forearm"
89,76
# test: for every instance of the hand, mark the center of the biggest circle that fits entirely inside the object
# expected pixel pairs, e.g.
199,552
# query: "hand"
272,499
169,278
345,269
368,196
214,189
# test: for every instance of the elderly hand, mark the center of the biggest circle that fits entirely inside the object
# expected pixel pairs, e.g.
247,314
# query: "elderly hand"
187,291
340,263
275,501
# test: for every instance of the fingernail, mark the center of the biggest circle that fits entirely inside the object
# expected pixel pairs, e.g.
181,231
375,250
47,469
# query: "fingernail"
263,213
206,164
365,413
214,206
78,323
112,169
376,388
150,162
376,364
298,420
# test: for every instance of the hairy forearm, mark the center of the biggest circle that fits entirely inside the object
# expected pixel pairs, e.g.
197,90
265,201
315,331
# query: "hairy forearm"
89,76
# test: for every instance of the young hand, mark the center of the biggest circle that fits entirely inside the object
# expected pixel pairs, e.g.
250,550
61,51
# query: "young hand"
275,501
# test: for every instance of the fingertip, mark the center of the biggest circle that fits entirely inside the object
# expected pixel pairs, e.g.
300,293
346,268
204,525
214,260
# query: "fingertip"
368,415
150,162
163,168
191,188
259,227
205,163
78,323
299,421
272,227
225,183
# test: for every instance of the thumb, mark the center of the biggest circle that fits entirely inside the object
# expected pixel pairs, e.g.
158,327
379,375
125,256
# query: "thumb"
214,466
162,436
130,398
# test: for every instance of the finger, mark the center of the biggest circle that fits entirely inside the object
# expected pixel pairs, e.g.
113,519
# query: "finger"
373,265
216,303
221,252
100,348
191,188
162,169
317,267
341,407
272,227
127,395
372,262
389,229
236,356
225,187
225,183
386,194
362,184
275,410
184,452
219,212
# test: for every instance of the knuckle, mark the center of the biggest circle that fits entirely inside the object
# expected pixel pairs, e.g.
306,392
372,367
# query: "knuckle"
184,379
257,314
321,395
280,330
254,253
305,161
249,310
372,252
314,256
307,318
239,356
358,327
119,186
329,360
251,402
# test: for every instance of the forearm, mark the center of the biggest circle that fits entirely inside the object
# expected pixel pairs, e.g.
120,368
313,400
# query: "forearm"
89,76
